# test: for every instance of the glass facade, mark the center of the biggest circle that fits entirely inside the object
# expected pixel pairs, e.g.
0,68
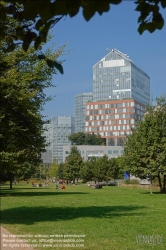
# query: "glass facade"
116,77
80,110
59,129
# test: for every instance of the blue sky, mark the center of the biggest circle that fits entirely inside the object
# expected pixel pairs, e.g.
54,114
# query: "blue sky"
87,43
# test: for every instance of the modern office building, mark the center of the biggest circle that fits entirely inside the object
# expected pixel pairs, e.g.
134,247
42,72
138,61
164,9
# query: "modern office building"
113,119
57,133
47,157
80,110
115,77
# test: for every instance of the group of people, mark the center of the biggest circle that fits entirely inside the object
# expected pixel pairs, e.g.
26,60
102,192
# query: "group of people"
46,185
62,187
97,186
36,185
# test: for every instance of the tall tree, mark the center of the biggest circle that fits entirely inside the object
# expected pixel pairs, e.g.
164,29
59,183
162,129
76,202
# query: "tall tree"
101,169
22,84
145,148
40,16
72,165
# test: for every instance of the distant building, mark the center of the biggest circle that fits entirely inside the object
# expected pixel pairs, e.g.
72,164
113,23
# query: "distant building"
115,77
80,110
113,119
57,133
47,157
89,151
120,93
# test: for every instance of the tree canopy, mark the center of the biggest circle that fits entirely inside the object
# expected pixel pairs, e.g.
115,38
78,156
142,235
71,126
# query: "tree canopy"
102,169
23,79
72,165
81,138
145,148
35,18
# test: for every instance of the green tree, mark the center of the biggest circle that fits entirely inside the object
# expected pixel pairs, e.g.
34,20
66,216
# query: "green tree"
22,84
81,138
25,172
101,169
115,170
36,18
77,138
145,148
41,172
93,139
72,165
53,169
60,171
87,170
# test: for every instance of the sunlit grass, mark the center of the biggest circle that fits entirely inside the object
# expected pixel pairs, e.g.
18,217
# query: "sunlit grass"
110,218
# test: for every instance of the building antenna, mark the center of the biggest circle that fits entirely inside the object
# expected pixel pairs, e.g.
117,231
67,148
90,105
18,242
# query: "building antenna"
108,49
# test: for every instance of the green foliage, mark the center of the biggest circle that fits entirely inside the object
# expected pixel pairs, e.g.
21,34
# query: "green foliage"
35,19
81,138
53,169
87,170
145,149
72,165
41,172
60,172
23,79
25,172
150,18
101,169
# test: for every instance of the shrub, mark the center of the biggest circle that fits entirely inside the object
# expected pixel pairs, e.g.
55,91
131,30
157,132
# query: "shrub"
128,181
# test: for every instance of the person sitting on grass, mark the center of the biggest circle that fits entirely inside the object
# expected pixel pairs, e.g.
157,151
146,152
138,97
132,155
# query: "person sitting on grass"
57,187
63,187
98,186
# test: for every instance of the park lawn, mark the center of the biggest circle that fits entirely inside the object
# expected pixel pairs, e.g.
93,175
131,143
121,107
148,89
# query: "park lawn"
112,218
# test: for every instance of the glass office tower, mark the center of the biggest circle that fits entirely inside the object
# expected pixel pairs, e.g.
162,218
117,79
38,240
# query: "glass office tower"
80,110
58,130
116,77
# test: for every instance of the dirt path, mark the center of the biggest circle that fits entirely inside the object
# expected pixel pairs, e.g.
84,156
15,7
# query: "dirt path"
6,237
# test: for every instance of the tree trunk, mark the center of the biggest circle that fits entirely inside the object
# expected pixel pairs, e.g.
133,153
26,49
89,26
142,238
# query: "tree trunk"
164,186
150,185
10,184
159,180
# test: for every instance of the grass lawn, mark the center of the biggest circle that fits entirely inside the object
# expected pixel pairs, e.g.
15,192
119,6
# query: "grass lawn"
112,218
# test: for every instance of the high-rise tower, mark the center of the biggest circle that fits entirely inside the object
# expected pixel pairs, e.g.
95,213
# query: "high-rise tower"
115,77
80,110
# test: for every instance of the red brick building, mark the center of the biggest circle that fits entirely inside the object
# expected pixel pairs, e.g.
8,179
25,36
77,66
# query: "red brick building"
113,119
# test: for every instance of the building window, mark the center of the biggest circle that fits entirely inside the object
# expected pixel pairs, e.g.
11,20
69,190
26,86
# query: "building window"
109,151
